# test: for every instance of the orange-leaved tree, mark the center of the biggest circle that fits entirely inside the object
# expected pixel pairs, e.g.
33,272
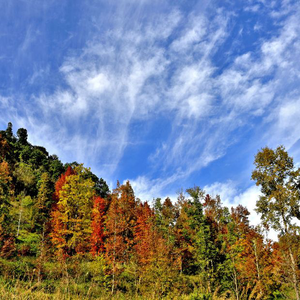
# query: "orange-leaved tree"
119,225
144,234
56,223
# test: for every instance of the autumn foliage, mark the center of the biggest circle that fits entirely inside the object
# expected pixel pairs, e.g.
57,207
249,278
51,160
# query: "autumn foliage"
98,221
61,181
64,224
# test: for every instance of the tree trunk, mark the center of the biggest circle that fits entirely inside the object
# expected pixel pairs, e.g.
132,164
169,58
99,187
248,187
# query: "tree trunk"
293,263
236,285
294,268
19,222
257,266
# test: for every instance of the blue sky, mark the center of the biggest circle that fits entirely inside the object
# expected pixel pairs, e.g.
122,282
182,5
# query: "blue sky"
167,94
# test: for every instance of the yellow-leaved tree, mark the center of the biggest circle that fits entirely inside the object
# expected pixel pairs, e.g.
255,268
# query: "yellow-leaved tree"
71,221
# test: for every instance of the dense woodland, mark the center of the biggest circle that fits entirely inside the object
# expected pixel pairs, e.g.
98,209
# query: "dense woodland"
65,235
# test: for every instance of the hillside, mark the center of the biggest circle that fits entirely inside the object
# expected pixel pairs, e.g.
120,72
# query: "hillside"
65,235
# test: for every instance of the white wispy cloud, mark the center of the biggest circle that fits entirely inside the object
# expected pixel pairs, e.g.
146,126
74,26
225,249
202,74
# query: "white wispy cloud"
166,67
254,85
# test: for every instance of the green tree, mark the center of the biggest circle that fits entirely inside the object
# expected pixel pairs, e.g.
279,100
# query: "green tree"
43,202
25,179
199,252
56,167
280,199
100,186
22,136
5,220
9,132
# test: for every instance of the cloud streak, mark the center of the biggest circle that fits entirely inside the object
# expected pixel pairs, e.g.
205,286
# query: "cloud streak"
173,65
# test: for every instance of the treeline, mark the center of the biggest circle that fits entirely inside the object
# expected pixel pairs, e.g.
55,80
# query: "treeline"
63,232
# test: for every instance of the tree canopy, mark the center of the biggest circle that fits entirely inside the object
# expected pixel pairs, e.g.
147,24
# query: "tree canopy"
61,225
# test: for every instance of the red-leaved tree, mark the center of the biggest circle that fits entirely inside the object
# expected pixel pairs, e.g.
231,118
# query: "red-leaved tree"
98,218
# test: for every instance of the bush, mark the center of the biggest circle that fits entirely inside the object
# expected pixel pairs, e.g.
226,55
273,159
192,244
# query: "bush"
21,269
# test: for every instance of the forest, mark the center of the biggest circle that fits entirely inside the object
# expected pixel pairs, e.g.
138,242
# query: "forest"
65,235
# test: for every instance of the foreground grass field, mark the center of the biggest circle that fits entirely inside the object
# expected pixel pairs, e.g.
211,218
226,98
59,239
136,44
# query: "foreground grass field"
25,278
63,290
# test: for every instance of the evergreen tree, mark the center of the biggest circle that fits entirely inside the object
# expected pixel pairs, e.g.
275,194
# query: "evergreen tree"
22,136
